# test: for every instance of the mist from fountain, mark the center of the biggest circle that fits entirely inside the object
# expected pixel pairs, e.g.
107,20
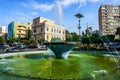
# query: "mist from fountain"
104,72
3,65
114,57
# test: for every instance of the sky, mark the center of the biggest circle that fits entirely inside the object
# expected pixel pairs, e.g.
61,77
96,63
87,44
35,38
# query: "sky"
60,11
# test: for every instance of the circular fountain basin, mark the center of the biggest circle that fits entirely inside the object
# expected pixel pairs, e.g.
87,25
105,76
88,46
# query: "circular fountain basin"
80,65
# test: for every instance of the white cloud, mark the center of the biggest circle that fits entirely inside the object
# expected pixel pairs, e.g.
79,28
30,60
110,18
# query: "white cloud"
68,2
36,5
44,7
22,17
93,1
64,3
24,4
80,2
34,13
47,7
116,2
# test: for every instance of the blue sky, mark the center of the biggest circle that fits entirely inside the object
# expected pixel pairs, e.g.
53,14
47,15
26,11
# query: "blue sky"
61,11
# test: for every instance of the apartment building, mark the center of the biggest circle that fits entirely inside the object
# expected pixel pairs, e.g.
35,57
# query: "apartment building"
3,30
109,19
18,29
47,29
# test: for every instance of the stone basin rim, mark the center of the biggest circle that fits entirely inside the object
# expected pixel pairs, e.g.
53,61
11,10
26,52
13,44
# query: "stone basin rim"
46,43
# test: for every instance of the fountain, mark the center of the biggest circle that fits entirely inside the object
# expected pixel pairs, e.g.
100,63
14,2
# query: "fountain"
60,48
81,65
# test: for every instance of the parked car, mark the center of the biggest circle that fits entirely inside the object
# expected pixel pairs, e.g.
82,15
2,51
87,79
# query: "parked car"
6,46
19,47
32,46
10,49
114,46
1,47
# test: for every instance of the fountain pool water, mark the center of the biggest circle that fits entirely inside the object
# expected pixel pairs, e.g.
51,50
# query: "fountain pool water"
81,65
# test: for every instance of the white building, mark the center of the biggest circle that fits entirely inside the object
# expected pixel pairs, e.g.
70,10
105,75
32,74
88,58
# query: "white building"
3,30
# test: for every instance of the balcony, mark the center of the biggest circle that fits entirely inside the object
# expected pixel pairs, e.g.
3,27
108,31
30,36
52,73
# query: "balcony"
23,33
22,28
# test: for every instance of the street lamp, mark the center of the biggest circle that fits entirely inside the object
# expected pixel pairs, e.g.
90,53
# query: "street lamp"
79,27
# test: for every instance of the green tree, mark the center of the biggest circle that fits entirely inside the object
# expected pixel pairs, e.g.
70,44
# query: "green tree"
72,36
94,38
41,40
75,37
68,35
97,37
108,38
24,41
12,39
85,39
1,40
31,41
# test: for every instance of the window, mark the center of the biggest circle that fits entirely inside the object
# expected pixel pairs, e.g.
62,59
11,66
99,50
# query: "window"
59,31
47,29
19,26
35,22
19,36
42,29
47,37
19,31
54,30
51,29
63,32
34,31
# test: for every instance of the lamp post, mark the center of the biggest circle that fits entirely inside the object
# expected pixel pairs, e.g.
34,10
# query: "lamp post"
79,27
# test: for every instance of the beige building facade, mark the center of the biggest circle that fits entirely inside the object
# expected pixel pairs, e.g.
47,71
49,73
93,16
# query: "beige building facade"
47,29
109,19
